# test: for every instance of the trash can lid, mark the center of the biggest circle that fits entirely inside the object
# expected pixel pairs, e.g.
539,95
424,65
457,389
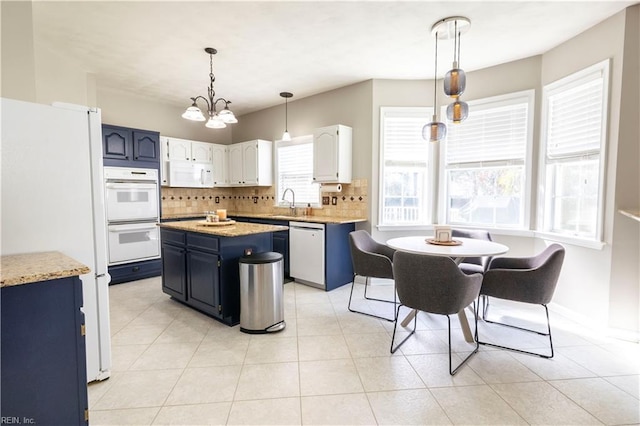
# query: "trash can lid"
257,258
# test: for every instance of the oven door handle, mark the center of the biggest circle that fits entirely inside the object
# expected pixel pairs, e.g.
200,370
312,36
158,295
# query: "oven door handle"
129,228
131,186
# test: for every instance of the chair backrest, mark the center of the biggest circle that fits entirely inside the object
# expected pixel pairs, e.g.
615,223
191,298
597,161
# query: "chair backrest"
370,258
525,279
433,283
478,235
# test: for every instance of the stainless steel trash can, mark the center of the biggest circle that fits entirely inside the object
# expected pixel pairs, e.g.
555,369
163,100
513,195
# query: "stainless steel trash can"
261,293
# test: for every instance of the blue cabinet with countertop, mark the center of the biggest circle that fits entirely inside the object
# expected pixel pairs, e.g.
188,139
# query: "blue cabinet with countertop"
43,354
201,270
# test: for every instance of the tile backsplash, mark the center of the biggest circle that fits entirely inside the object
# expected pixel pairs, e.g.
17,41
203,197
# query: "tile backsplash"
350,202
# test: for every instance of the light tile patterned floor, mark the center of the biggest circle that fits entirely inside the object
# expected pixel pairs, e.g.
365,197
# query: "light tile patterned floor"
173,365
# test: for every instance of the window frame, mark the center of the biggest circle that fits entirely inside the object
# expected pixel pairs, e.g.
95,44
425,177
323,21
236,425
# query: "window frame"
498,101
298,140
545,204
430,176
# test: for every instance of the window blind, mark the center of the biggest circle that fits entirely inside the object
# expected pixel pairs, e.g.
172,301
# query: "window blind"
295,170
403,143
490,133
575,119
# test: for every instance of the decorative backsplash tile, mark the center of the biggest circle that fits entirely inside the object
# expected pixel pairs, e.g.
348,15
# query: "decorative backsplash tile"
351,202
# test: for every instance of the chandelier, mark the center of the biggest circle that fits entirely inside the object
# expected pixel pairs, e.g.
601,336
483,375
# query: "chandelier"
286,95
217,119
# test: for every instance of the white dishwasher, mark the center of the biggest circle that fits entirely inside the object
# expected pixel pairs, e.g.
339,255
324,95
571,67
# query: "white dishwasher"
306,253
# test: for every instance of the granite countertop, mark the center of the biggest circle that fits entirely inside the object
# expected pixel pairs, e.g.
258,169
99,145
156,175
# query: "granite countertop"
17,269
237,229
311,218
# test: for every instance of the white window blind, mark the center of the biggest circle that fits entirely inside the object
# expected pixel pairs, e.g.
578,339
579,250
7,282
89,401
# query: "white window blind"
575,113
294,169
492,132
404,166
575,118
486,164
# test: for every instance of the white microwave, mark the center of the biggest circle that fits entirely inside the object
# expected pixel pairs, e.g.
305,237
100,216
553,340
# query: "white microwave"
190,175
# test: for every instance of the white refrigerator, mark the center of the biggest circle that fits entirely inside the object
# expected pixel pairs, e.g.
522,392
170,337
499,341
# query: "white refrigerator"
52,200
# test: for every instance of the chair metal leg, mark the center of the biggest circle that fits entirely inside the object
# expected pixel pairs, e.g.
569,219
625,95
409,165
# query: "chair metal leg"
475,350
378,300
395,325
366,282
548,333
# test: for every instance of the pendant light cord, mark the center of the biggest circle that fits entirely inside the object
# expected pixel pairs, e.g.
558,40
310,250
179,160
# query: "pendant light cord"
435,77
286,114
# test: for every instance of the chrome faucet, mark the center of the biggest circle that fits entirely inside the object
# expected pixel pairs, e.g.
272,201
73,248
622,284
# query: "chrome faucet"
292,205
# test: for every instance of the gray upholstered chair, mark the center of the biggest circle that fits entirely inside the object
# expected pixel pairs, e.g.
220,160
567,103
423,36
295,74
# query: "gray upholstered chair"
436,285
473,265
370,260
525,279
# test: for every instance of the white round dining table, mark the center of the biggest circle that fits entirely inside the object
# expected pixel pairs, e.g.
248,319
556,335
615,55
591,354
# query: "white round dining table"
469,247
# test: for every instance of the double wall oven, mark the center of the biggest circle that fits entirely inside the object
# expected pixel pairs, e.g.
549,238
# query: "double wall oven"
132,210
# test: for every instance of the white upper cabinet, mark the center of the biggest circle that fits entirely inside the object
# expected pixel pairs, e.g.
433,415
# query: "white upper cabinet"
186,150
220,165
250,163
332,154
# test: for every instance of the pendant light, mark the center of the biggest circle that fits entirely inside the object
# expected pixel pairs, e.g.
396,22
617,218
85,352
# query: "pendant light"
286,95
455,81
435,131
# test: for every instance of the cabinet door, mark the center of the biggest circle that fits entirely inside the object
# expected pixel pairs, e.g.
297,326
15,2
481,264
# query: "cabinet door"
204,282
281,245
325,154
250,163
146,146
236,172
201,152
220,165
179,150
116,143
173,271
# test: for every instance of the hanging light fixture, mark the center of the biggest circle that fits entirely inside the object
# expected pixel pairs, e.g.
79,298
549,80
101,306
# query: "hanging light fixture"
435,130
217,120
455,81
286,95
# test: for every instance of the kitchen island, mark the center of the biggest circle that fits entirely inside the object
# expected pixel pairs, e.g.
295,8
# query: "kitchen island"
200,263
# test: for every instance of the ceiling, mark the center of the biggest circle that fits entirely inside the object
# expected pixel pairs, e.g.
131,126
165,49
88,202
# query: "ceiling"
156,48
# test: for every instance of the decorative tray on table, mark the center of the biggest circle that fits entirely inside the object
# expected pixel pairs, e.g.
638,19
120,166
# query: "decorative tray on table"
220,223
443,243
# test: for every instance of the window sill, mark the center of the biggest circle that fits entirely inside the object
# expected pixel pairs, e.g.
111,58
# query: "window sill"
575,241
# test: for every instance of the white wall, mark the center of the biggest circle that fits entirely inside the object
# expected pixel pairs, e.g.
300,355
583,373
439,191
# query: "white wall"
18,70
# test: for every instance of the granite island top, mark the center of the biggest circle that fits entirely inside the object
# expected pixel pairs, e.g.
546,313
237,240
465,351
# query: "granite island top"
300,218
237,229
18,269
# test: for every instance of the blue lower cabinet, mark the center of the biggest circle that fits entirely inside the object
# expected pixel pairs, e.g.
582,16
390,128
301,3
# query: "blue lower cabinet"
202,271
204,282
337,256
43,355
174,273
